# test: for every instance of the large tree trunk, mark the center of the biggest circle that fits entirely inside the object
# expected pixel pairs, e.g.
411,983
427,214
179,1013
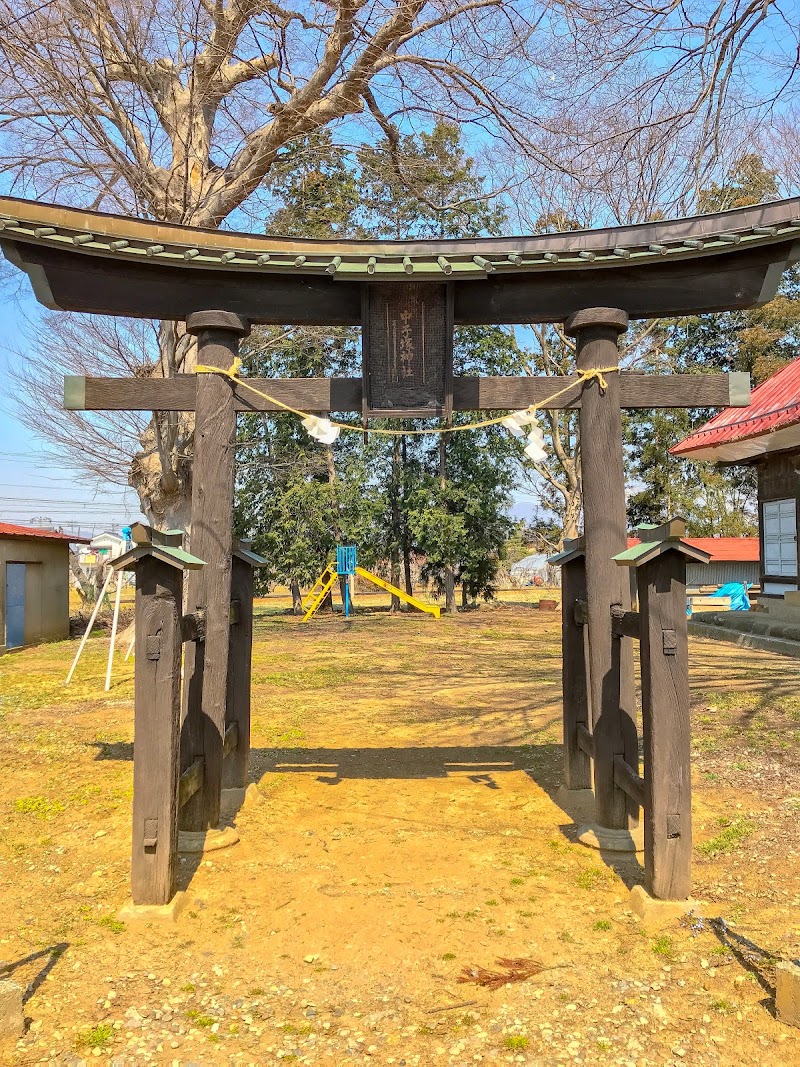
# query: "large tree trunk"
572,514
80,581
297,599
161,472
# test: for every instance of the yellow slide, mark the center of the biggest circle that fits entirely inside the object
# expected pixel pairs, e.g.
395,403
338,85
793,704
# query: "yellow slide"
429,609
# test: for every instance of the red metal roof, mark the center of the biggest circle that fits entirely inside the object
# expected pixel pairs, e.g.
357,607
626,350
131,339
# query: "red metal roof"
732,549
35,533
741,433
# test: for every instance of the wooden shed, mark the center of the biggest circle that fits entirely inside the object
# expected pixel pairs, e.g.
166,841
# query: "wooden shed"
765,434
34,590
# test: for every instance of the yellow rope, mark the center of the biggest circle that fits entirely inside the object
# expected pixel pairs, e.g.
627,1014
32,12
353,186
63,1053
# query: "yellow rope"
594,374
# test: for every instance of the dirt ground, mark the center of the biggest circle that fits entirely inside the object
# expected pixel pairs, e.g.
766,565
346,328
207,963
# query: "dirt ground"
406,830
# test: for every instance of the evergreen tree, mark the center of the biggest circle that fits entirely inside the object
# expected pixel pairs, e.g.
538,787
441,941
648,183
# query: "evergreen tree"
714,500
387,496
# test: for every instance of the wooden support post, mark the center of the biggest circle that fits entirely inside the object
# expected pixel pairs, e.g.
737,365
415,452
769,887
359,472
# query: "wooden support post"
234,773
611,686
665,722
157,689
206,665
574,682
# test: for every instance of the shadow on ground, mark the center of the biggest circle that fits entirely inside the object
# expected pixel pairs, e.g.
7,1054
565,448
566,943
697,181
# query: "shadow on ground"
483,765
49,957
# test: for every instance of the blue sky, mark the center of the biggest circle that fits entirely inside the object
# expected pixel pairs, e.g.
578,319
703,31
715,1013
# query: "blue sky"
32,483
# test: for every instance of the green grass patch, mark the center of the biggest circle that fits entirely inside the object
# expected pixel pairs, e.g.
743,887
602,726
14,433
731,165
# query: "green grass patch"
205,1022
303,1030
591,878
516,1042
723,1006
41,807
663,945
112,924
96,1037
603,924
732,700
732,833
312,676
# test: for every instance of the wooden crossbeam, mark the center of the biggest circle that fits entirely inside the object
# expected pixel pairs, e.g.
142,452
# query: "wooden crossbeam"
190,781
345,394
624,623
627,778
231,738
585,740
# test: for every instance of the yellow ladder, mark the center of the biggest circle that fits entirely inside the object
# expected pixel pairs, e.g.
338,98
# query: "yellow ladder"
315,596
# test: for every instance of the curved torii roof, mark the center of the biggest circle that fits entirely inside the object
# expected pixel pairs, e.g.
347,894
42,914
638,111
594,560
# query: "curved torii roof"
109,264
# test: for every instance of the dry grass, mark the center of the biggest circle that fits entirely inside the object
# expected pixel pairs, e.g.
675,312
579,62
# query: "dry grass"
407,829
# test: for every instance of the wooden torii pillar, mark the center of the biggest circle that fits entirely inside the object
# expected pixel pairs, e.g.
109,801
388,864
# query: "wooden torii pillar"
612,697
206,661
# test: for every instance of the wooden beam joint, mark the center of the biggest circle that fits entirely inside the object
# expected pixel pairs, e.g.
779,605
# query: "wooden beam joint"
585,740
628,780
190,781
625,623
231,739
193,626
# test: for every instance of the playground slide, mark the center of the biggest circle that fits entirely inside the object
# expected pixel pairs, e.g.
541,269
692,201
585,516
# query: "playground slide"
429,609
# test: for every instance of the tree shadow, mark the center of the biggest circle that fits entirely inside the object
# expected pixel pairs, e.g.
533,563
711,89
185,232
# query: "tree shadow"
752,957
52,955
113,750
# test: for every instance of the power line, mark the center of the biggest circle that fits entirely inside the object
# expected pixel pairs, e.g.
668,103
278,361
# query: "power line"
69,501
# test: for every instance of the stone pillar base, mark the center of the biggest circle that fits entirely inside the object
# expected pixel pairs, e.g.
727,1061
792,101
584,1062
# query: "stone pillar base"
12,1017
655,912
130,912
577,803
787,992
607,840
233,800
207,840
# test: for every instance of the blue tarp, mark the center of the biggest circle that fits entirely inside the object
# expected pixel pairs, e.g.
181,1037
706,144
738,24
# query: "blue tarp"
737,591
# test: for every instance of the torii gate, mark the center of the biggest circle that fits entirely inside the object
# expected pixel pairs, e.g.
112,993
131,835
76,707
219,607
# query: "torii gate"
407,296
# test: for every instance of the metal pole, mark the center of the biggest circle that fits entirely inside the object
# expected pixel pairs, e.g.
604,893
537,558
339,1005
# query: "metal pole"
113,631
85,637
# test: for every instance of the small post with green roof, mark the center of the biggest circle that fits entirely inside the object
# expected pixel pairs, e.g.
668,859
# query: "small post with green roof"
159,562
661,626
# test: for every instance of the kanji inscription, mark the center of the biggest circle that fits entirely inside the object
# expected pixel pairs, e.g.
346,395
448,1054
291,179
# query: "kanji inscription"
407,350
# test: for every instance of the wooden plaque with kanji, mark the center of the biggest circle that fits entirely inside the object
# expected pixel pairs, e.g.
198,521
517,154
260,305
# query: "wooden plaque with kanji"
407,345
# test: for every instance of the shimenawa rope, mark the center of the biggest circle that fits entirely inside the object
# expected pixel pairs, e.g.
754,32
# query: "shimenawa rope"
594,374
